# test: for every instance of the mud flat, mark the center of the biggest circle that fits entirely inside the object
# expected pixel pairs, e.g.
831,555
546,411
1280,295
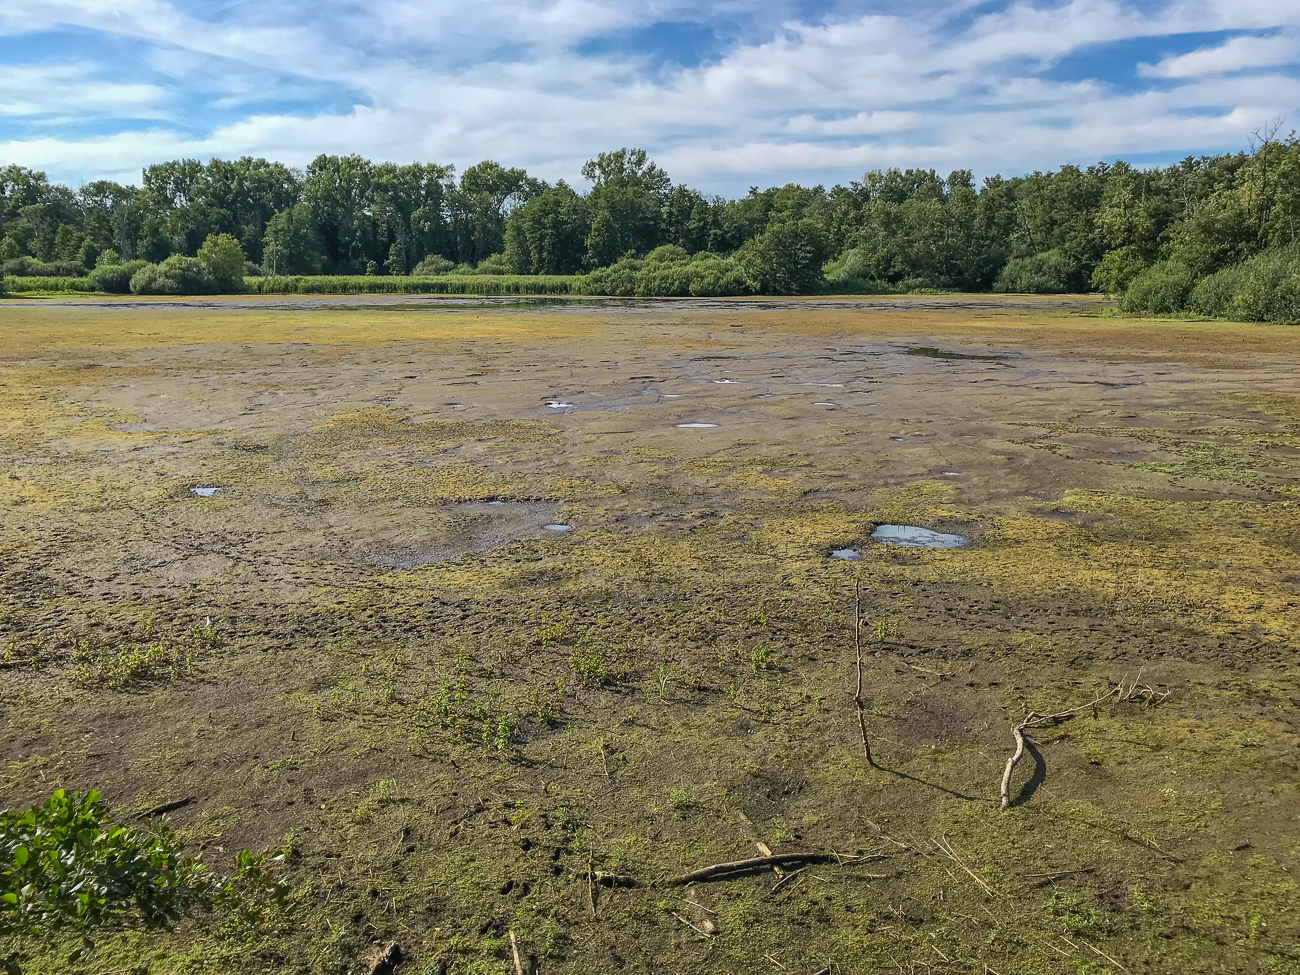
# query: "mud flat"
381,653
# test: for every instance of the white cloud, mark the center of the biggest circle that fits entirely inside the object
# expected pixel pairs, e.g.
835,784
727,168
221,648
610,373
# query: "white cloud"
1236,54
929,84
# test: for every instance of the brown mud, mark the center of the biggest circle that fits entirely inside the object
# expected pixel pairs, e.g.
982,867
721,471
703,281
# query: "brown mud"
369,651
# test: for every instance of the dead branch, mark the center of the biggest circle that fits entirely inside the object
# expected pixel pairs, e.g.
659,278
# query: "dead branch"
167,807
1034,719
720,870
857,649
514,950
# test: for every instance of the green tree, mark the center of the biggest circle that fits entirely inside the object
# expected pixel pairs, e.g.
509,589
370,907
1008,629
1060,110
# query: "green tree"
548,234
626,204
787,258
223,258
292,244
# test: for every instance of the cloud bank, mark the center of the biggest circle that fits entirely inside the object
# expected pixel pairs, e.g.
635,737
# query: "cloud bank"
724,94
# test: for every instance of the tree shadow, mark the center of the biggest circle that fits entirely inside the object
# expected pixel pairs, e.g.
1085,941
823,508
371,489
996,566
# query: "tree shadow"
1038,778
932,785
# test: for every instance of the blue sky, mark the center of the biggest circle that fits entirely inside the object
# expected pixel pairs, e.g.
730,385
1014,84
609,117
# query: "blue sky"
724,94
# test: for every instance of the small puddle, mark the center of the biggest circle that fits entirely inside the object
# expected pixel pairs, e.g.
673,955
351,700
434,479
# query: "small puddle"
952,473
823,404
695,426
933,353
205,492
726,382
557,405
846,554
910,536
824,385
558,528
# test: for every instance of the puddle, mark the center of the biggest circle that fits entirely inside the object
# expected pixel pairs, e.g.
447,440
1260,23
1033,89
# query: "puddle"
823,404
558,528
671,395
205,492
899,439
952,473
826,385
933,353
557,405
695,426
727,382
846,554
909,536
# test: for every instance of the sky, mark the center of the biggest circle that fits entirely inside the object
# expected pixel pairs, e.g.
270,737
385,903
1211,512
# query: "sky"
724,94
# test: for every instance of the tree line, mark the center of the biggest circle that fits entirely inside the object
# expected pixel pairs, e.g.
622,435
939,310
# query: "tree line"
632,230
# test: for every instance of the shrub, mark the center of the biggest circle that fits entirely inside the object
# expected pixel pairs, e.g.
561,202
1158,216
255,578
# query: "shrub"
114,278
1049,272
1213,295
1161,289
30,267
432,266
1268,289
492,264
223,257
787,258
177,275
1117,270
32,285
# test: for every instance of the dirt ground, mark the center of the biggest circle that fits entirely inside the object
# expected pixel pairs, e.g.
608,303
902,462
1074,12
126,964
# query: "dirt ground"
487,643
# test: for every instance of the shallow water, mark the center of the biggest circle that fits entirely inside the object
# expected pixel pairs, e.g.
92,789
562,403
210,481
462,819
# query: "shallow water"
205,492
932,353
695,426
846,554
558,528
910,536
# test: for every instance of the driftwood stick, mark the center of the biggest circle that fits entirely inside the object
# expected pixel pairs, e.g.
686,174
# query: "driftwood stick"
1018,732
857,649
514,950
749,866
1032,720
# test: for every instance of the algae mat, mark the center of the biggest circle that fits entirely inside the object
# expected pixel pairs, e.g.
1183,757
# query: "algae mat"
367,651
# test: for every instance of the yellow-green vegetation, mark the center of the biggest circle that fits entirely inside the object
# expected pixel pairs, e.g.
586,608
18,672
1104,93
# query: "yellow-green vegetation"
367,657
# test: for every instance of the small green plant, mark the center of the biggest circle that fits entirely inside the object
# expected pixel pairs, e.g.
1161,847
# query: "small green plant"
681,800
665,675
590,664
887,628
552,631
760,658
504,735
116,667
207,634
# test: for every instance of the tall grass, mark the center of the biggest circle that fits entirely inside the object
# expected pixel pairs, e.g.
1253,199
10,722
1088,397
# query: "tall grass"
34,285
337,284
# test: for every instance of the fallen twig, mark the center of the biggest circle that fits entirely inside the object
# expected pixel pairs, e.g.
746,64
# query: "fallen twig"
1033,719
514,950
718,870
692,926
857,649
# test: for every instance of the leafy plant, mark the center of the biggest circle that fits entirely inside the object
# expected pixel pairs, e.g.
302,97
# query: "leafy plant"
67,865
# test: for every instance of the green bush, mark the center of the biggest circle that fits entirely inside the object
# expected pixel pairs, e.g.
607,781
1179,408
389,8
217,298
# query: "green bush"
431,266
1161,289
1049,272
1214,294
1117,270
67,865
46,285
114,278
30,267
177,275
222,256
1268,287
666,272
786,259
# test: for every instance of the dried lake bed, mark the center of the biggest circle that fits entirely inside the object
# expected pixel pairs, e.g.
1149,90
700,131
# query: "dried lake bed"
475,605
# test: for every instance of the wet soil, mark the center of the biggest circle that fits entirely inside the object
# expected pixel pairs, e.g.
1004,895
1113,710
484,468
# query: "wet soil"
378,655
